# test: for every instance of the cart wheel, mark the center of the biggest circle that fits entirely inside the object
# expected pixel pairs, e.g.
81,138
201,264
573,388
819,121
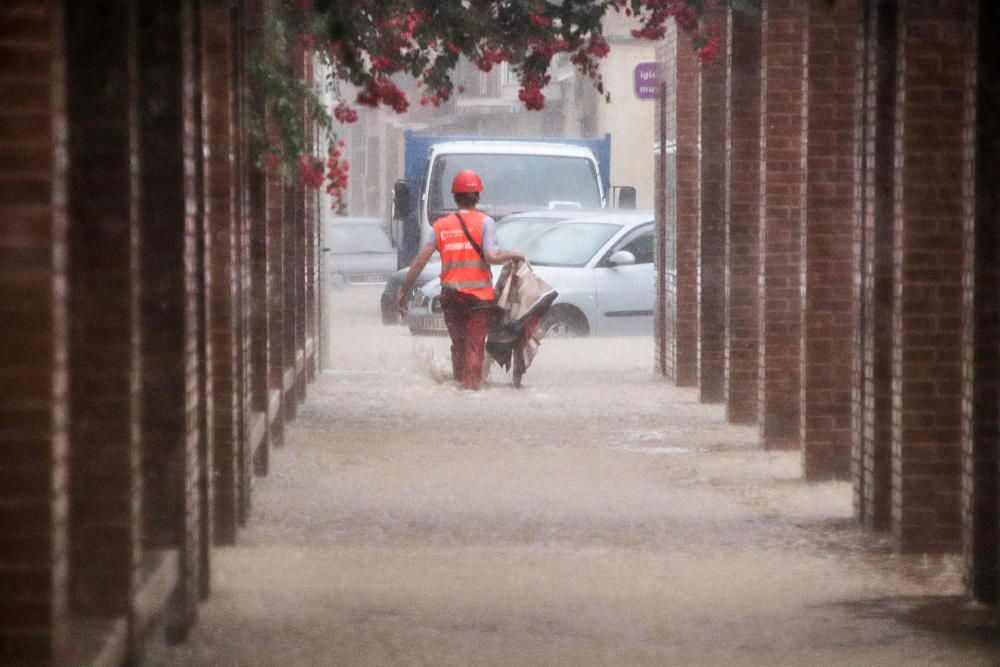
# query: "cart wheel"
517,364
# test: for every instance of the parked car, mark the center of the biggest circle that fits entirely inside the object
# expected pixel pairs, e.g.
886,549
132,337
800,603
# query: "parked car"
513,231
602,267
360,251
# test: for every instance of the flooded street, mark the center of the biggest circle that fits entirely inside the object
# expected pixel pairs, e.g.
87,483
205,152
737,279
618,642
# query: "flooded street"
596,516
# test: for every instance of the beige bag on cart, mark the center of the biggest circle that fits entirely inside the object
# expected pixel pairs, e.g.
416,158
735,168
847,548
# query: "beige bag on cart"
522,299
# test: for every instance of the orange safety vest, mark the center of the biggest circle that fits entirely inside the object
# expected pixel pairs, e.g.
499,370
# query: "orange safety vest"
462,268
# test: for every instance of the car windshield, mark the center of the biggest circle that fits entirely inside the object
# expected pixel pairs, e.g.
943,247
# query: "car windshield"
569,244
512,181
350,239
513,234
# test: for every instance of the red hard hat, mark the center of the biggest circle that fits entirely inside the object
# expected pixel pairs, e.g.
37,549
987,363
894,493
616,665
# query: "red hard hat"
467,181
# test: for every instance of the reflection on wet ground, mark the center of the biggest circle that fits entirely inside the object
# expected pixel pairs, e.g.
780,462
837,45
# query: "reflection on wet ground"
951,617
597,516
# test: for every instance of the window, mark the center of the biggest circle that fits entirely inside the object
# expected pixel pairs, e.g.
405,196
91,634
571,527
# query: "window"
517,182
569,244
642,244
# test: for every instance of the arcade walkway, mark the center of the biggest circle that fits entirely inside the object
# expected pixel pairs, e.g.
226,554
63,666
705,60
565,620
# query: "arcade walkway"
583,520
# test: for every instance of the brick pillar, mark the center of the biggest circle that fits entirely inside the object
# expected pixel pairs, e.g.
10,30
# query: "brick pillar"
872,405
259,343
663,162
257,237
104,351
249,415
33,372
828,239
713,82
742,200
782,208
297,278
169,298
679,225
311,252
203,287
275,257
981,345
289,298
301,289
933,61
221,262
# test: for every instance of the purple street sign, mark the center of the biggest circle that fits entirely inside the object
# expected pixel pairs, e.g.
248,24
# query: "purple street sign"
645,81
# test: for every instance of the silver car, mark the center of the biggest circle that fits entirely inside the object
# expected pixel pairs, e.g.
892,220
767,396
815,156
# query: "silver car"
602,267
513,232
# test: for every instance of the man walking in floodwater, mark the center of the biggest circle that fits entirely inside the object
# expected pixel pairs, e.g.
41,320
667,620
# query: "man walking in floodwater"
467,242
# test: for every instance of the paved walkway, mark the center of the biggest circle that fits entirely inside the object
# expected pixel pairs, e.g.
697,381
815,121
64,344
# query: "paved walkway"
597,517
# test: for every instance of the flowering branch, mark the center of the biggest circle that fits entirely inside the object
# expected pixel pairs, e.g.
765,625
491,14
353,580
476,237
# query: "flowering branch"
369,42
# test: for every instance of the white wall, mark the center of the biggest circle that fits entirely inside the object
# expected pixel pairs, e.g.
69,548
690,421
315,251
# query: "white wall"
630,120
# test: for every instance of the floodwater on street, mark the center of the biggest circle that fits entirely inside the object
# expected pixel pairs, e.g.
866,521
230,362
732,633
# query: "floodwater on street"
598,516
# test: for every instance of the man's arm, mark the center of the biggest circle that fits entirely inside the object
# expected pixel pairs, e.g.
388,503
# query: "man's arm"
418,264
491,252
501,256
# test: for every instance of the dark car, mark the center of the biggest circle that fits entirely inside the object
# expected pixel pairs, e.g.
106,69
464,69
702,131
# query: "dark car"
360,252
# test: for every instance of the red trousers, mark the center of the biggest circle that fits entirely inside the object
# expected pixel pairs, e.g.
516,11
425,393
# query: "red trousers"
468,321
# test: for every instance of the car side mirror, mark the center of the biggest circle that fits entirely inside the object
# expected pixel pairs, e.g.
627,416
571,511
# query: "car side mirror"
621,258
400,211
400,200
626,197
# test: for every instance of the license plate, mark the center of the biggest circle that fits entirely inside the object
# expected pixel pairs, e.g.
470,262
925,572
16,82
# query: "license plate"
433,324
367,279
